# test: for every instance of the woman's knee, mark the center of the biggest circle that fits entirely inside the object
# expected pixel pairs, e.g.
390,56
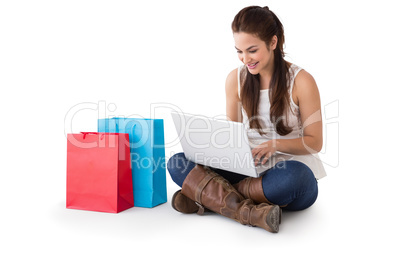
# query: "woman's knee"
173,161
300,175
293,174
286,180
179,167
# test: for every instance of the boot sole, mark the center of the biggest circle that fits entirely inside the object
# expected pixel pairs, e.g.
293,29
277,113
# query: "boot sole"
274,218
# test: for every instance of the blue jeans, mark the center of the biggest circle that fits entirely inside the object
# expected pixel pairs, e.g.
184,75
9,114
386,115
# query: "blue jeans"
290,184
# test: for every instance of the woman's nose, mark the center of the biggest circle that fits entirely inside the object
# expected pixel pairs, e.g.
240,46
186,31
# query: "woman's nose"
246,58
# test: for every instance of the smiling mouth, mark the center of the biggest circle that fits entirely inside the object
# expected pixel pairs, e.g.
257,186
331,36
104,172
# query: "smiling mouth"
253,65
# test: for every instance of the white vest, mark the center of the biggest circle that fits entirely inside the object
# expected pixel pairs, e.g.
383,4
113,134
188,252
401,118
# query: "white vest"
313,161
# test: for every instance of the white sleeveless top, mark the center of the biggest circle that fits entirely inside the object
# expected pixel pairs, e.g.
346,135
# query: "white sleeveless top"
293,120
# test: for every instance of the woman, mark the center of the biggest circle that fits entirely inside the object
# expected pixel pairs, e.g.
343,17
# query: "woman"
279,104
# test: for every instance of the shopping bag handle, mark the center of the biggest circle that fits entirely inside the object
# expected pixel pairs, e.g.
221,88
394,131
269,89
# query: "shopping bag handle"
92,133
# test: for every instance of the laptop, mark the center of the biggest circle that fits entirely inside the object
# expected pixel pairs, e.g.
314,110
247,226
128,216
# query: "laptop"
220,144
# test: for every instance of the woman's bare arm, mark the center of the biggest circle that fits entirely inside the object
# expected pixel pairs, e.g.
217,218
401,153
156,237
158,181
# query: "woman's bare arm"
233,104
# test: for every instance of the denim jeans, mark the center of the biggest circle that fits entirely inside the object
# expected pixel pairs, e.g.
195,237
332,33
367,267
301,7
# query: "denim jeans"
289,184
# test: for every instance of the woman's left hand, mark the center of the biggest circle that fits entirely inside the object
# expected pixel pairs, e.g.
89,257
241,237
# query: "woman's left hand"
264,151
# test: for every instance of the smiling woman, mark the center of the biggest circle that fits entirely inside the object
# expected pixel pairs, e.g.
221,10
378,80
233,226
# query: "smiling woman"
279,104
261,30
253,55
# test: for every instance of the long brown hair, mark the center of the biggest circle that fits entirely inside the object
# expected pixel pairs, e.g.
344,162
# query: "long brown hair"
263,23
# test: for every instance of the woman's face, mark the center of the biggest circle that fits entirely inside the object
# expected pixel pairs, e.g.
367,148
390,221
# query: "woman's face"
253,52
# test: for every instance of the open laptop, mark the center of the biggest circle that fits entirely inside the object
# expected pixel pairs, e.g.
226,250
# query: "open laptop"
219,144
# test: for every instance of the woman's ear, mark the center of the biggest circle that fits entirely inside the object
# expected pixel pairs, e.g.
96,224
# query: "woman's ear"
274,42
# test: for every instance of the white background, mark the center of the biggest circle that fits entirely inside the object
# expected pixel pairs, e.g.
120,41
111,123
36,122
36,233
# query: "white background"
63,64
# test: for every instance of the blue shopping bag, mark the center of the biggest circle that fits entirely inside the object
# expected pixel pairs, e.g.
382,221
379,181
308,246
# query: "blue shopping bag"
147,149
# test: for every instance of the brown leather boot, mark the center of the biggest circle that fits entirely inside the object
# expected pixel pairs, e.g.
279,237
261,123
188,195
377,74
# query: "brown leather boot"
209,189
183,204
251,188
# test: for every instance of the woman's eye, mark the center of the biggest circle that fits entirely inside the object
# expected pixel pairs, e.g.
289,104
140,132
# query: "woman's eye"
253,51
239,52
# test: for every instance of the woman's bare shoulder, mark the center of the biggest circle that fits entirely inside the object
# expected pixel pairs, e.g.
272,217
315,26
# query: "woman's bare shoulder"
304,87
231,82
304,82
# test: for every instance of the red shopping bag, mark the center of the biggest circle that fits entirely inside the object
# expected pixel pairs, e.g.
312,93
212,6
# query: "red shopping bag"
98,172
